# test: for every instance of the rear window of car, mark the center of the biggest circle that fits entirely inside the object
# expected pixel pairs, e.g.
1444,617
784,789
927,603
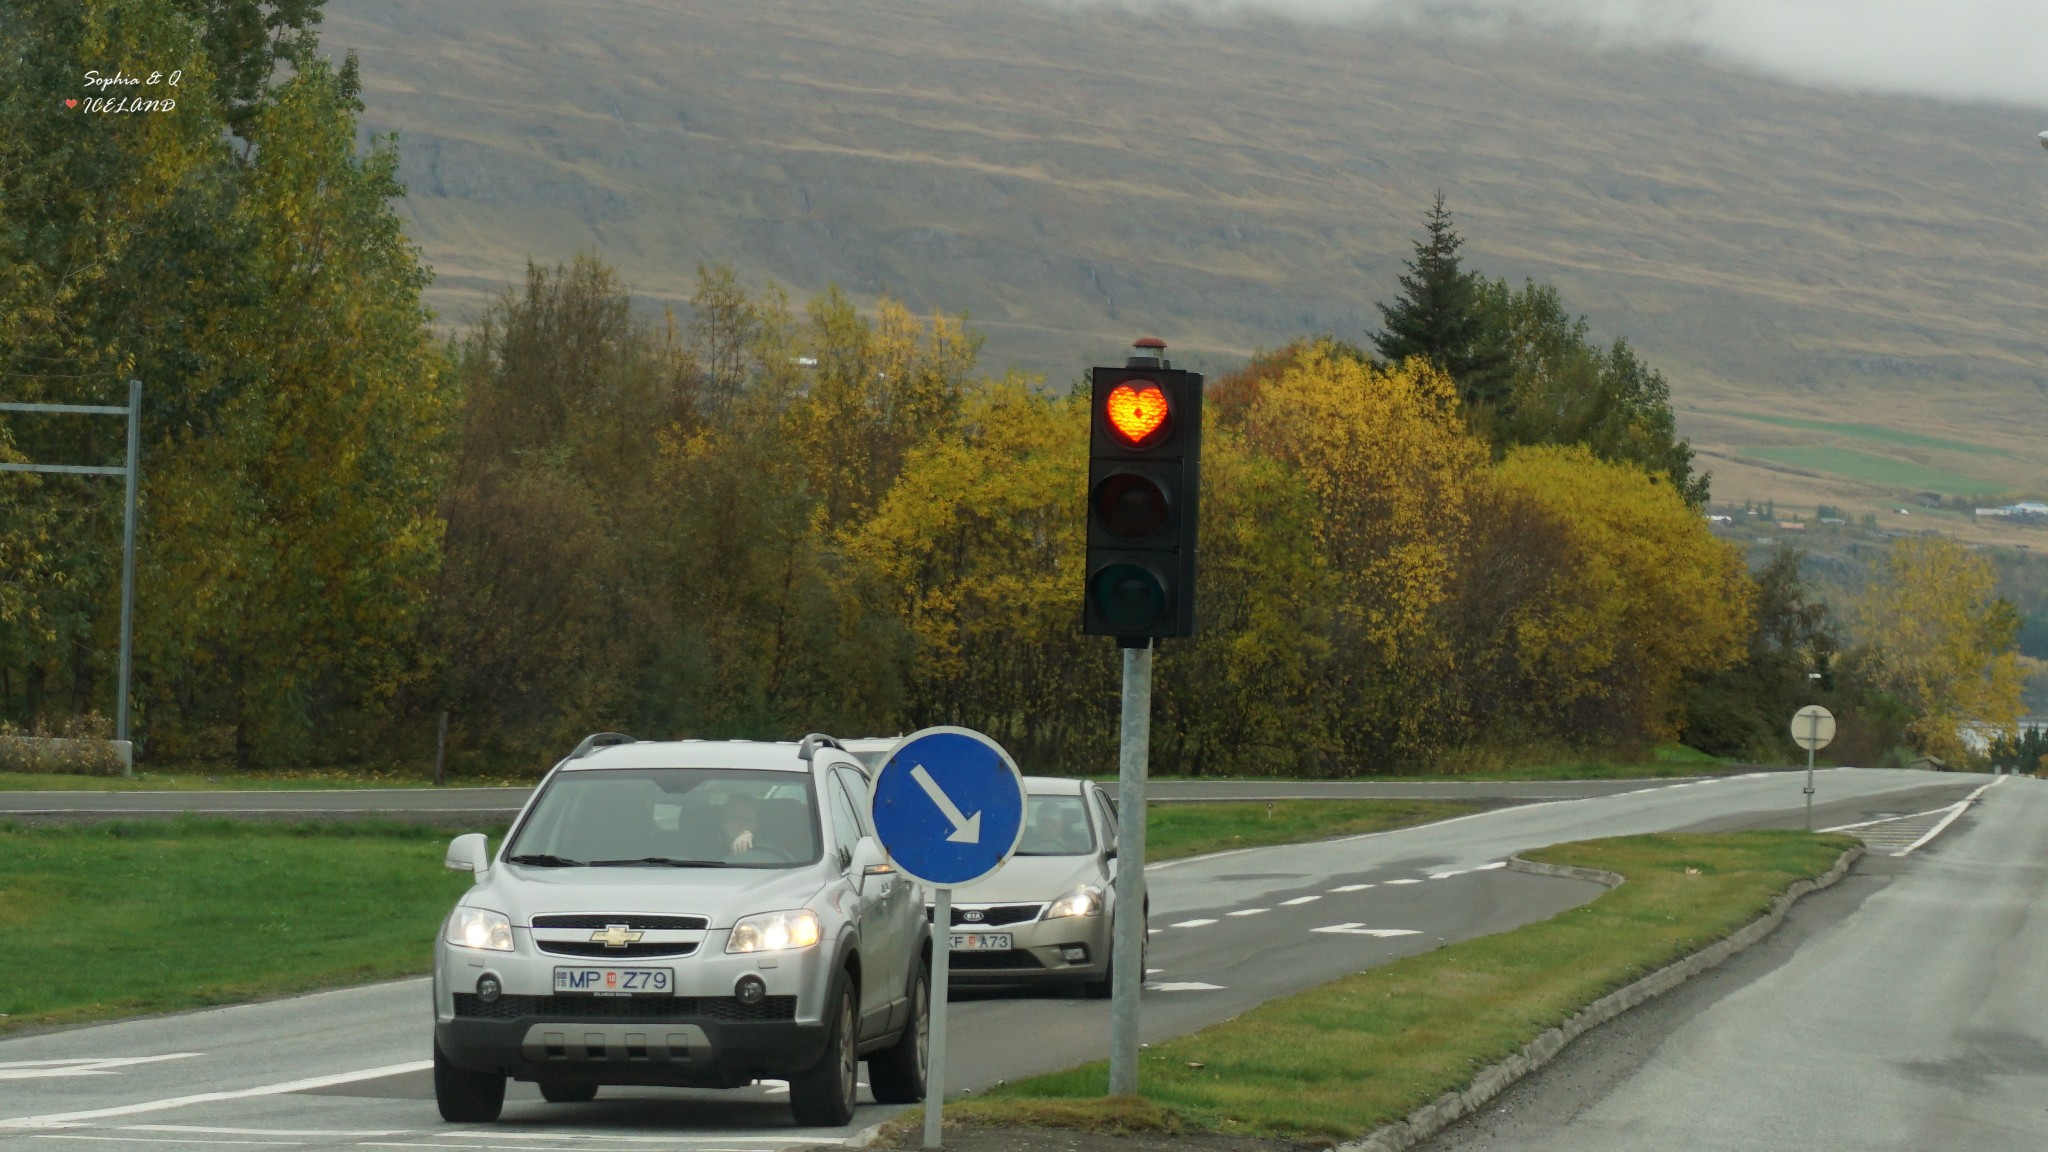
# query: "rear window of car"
1056,826
671,817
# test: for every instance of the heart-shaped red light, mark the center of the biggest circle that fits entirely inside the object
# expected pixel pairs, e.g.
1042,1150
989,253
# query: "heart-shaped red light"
1138,412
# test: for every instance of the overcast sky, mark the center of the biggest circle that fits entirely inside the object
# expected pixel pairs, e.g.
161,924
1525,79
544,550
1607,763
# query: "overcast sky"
1962,49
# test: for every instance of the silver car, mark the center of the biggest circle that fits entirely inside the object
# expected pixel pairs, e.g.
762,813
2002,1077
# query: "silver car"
1048,914
696,914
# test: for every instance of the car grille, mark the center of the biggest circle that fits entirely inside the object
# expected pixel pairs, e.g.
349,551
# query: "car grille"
993,917
629,951
470,1006
1015,960
632,921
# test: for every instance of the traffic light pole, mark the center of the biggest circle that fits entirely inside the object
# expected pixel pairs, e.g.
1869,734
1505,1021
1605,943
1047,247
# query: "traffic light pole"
1128,949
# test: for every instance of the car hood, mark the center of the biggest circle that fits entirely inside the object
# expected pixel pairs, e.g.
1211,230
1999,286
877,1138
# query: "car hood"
723,894
1034,880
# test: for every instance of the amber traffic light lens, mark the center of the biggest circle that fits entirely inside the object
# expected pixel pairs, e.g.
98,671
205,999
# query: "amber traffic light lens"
1136,412
1129,597
1131,506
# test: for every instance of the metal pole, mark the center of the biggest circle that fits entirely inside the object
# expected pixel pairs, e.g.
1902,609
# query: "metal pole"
935,1062
1128,952
128,570
1812,738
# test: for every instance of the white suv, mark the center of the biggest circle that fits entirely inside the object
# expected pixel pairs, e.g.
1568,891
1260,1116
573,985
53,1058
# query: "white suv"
696,914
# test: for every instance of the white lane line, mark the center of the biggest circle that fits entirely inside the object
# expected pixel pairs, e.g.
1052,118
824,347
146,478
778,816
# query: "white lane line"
65,1119
169,1140
1497,864
1356,929
1448,875
1404,881
1154,971
202,1130
1299,900
1193,924
85,1066
1247,912
1184,986
1894,819
1353,887
1936,830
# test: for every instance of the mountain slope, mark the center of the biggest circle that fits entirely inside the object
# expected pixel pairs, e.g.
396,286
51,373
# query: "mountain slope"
1076,176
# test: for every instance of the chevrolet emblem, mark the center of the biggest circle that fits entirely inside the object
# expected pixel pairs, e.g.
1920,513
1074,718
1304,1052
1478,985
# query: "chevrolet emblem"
616,936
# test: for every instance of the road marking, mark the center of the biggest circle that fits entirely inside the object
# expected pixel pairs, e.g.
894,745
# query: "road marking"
1247,912
1154,971
202,1130
1448,875
1299,900
80,1066
67,1119
1404,881
163,1140
1497,864
1184,986
1193,924
1356,929
1353,887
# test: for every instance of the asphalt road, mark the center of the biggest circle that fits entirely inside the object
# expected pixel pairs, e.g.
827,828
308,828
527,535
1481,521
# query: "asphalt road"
1902,1009
499,805
346,1068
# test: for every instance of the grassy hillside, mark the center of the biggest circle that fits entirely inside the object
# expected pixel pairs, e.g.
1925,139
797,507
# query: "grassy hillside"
1818,272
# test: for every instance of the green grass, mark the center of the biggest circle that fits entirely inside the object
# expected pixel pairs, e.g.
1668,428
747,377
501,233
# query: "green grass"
1176,830
1337,1061
199,781
118,919
1881,470
1877,434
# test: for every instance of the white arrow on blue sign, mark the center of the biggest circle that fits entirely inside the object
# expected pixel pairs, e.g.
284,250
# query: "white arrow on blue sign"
948,806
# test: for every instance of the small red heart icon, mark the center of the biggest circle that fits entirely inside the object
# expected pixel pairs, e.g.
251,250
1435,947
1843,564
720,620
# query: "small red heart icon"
71,103
1136,412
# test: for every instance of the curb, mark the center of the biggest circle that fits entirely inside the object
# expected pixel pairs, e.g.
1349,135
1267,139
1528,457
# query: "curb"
1430,1119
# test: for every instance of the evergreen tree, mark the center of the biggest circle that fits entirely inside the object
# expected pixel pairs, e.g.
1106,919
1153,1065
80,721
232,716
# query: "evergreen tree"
1441,316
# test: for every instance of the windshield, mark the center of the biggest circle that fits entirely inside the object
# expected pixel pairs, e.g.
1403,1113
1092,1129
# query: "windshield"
1056,826
671,817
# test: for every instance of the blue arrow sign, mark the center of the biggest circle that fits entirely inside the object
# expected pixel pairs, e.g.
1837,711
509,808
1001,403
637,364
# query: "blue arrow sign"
948,806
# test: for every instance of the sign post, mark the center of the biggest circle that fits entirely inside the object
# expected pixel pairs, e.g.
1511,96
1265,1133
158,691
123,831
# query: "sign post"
948,807
1813,727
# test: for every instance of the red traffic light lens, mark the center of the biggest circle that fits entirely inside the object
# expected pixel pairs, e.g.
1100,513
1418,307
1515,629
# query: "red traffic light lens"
1136,410
1131,506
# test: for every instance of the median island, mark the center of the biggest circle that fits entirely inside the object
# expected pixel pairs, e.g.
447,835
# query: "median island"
1335,1062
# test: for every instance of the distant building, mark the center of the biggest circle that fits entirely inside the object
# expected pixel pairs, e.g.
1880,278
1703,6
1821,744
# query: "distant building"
1834,521
1791,526
2023,508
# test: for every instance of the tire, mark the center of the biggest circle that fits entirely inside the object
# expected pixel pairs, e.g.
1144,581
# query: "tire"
822,1095
896,1075
556,1093
466,1097
1105,987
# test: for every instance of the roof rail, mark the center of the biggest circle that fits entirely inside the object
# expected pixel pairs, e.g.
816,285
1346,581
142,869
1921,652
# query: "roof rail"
813,742
596,740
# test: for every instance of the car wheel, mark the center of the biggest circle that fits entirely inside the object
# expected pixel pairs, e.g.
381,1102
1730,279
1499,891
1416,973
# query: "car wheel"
556,1093
466,1097
822,1096
1103,988
896,1074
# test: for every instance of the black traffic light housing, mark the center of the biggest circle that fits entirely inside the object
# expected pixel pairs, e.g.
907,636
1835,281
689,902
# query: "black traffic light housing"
1144,499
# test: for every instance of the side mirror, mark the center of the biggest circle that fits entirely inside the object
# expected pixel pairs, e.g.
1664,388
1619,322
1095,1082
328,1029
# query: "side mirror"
870,860
469,853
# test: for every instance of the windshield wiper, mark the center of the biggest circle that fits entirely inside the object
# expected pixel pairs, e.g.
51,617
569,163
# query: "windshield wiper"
544,860
665,861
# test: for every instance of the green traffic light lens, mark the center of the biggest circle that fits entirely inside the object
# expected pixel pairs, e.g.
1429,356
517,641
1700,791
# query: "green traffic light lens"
1131,506
1128,596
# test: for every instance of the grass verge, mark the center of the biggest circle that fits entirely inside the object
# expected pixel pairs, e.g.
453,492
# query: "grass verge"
227,780
118,919
1337,1061
1176,830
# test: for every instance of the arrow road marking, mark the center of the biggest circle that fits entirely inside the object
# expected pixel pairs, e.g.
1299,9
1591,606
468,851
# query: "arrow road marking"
1355,929
966,829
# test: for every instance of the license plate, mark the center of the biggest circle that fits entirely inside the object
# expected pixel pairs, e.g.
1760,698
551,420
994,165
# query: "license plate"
980,942
616,981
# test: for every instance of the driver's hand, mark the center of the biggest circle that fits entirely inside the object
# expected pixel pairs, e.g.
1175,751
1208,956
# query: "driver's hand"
743,841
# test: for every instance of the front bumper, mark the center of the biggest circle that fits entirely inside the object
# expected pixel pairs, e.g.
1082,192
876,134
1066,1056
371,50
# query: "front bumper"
1039,952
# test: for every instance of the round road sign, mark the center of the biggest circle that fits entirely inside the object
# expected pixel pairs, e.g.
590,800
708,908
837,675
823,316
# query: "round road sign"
948,806
1813,727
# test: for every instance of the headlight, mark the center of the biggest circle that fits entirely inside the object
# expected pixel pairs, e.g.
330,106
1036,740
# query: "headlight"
1086,901
480,928
773,932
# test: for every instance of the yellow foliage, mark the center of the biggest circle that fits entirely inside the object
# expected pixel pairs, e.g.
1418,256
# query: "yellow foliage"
1654,594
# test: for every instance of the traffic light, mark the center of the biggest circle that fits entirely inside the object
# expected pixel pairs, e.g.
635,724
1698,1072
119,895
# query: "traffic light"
1144,499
